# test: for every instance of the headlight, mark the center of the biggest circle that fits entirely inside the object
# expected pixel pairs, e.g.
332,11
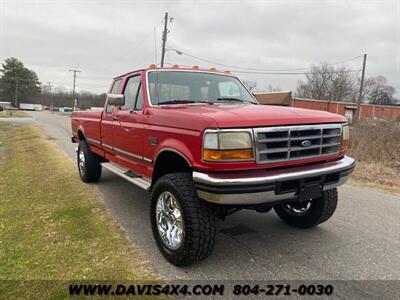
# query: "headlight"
220,146
345,137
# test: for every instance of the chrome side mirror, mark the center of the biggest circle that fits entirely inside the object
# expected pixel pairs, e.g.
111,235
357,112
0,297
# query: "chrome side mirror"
116,99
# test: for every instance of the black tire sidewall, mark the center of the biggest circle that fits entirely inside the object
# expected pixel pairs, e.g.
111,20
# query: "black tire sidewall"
198,218
92,168
320,211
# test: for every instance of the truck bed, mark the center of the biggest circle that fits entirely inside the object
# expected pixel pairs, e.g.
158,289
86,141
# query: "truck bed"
89,122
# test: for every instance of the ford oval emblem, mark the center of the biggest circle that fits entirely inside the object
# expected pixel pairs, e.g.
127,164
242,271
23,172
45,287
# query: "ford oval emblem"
306,143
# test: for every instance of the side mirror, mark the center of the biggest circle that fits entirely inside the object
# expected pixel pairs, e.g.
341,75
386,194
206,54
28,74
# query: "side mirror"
116,99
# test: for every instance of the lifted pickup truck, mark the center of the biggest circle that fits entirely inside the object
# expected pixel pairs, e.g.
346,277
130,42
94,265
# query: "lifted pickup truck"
202,145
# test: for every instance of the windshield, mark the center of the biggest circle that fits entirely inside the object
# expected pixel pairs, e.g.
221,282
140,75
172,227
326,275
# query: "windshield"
177,87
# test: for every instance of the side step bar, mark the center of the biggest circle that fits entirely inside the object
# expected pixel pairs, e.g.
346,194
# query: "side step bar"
128,175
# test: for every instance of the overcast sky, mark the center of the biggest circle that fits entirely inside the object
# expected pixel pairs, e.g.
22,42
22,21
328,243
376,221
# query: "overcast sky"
107,38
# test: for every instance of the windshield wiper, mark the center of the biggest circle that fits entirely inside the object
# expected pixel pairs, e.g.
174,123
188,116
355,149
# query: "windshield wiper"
176,102
233,99
183,102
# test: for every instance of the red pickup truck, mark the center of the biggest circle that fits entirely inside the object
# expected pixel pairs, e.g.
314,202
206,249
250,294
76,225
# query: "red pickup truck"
202,145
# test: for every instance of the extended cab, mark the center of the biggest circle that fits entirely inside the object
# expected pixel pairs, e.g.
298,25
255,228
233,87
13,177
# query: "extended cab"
204,148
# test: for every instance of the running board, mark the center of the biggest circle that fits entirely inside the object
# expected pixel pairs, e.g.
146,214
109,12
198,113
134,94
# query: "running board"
128,175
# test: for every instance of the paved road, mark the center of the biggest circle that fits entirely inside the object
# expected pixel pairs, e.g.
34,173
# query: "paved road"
361,241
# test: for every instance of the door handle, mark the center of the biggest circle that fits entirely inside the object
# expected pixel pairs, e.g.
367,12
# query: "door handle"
115,118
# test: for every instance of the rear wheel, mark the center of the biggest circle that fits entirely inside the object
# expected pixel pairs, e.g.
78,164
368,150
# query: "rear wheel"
183,225
308,214
88,163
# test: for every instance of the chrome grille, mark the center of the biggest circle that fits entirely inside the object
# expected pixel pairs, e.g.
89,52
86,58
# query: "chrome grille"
285,143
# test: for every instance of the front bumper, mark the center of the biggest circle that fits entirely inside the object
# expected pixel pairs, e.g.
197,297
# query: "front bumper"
269,186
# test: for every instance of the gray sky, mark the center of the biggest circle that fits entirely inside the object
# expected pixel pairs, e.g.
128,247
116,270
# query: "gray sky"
107,38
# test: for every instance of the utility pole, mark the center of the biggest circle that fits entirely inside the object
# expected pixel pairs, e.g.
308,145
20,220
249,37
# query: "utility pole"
73,87
164,37
49,86
16,93
361,87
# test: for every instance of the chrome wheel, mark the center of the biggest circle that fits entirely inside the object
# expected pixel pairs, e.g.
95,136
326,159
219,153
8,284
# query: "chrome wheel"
169,219
297,208
81,161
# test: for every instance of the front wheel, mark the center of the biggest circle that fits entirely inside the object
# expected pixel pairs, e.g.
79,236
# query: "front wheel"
308,214
183,225
88,163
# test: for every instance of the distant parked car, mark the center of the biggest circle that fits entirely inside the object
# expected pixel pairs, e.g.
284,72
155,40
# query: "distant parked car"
65,109
30,106
26,106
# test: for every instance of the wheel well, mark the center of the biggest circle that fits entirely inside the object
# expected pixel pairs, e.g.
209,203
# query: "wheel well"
81,136
169,162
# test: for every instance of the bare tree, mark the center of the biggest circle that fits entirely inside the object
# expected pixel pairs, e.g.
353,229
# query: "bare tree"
250,84
273,89
378,91
327,82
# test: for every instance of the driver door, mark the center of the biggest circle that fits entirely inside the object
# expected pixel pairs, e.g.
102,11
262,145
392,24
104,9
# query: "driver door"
127,129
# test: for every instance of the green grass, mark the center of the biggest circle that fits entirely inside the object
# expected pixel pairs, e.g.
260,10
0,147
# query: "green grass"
52,226
13,114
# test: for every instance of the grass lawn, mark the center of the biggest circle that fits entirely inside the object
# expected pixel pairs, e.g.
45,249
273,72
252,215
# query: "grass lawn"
52,226
13,114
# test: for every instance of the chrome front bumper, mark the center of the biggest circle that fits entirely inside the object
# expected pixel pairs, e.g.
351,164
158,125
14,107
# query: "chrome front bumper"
269,186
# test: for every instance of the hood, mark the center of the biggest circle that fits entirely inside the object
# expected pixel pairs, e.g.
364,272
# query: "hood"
249,115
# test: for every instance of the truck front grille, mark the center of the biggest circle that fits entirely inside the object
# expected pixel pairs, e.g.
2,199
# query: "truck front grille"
285,143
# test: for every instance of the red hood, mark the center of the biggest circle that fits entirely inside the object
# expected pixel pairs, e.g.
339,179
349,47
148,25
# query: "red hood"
249,115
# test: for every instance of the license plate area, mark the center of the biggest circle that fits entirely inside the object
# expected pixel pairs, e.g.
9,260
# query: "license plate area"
309,191
304,189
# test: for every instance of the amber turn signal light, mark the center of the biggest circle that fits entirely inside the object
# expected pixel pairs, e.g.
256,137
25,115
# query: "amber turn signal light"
216,155
345,138
345,144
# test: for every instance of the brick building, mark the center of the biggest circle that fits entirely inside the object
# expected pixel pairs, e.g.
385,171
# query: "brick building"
348,109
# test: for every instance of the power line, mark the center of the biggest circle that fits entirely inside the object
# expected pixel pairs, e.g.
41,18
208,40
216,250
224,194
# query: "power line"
274,73
155,44
261,70
147,36
287,73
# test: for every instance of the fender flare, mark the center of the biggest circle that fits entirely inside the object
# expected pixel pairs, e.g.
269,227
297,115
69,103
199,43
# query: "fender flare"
80,129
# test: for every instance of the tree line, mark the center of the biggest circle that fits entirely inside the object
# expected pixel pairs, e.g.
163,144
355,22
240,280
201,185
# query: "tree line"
323,82
18,84
332,83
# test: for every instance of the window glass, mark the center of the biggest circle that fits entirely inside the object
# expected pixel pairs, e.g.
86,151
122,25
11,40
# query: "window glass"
114,90
139,100
130,92
115,87
204,92
169,86
228,89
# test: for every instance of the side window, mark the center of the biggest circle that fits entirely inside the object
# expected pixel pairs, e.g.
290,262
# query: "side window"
114,90
139,100
130,92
